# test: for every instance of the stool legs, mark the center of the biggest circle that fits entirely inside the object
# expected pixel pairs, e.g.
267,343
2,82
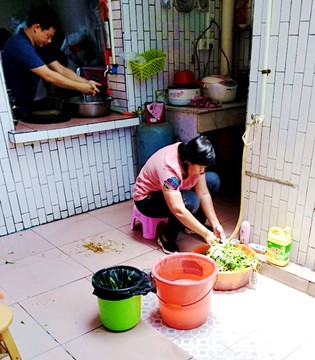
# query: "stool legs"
149,224
10,346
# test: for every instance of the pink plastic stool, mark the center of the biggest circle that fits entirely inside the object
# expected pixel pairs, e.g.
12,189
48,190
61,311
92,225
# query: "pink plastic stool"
149,224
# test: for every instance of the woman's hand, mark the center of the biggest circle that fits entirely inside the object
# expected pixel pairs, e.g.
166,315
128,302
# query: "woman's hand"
211,238
219,232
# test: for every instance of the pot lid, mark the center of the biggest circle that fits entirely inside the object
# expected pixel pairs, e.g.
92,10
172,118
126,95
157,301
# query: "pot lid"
219,79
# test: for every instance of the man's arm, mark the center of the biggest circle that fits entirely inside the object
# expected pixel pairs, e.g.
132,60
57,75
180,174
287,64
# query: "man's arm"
60,76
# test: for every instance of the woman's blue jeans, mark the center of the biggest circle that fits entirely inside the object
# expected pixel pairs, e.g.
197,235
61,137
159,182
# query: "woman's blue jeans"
155,206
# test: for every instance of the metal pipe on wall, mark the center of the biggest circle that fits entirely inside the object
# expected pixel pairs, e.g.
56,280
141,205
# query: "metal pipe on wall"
265,71
227,36
111,27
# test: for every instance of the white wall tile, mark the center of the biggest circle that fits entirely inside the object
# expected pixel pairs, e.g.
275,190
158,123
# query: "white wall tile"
309,61
312,234
295,17
291,140
278,94
306,10
291,57
81,184
66,181
296,96
88,189
302,47
52,193
272,148
46,200
304,234
312,21
285,108
303,183
62,203
285,11
310,260
309,149
281,222
56,165
298,154
265,223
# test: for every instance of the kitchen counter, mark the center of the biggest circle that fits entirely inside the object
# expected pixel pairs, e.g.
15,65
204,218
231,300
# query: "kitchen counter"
27,132
189,122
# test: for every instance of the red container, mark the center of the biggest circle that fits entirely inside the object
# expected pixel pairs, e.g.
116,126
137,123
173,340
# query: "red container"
95,73
185,77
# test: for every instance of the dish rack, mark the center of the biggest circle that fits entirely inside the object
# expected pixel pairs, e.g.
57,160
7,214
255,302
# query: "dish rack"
154,63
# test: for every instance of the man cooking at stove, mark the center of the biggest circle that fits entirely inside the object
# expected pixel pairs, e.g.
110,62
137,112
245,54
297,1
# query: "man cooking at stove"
26,63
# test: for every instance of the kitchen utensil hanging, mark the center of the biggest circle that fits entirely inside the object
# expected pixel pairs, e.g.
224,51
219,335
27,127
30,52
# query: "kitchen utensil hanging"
184,5
203,5
103,10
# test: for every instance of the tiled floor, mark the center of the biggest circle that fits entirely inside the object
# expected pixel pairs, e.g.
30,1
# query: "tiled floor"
45,276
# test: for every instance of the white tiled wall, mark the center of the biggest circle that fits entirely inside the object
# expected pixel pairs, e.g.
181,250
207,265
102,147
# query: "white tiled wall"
279,189
147,25
47,180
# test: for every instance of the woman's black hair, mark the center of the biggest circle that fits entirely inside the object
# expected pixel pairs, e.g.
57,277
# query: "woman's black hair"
197,151
43,15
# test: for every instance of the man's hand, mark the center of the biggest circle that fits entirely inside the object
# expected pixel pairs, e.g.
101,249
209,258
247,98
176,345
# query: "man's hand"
91,87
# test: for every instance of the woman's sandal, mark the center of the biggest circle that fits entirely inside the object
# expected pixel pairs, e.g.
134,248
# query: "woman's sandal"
168,247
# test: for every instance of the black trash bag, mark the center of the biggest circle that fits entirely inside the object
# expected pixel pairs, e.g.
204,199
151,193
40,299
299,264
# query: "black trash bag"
121,282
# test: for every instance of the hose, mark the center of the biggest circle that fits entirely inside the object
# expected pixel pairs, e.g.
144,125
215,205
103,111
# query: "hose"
245,138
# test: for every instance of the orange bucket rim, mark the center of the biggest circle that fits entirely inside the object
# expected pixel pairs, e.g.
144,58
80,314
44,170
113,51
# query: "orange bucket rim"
203,258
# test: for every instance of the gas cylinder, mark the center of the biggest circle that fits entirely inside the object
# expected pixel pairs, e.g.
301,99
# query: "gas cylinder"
151,138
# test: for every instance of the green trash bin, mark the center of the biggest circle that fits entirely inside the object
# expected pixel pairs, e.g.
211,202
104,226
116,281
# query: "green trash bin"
119,290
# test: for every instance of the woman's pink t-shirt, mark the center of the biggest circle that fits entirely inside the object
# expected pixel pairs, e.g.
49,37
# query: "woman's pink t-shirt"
162,170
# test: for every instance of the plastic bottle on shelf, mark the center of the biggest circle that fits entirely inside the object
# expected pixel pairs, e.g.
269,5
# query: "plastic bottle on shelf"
245,233
260,249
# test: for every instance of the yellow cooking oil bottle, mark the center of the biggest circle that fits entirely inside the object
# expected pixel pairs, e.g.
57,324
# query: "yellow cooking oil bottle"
279,244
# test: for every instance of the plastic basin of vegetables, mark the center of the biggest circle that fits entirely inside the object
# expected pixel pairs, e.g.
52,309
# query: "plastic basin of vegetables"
235,261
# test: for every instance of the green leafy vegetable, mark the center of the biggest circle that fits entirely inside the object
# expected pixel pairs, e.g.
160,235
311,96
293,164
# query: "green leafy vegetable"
230,257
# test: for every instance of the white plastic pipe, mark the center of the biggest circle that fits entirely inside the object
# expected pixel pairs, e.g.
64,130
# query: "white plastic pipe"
259,118
227,35
111,27
256,118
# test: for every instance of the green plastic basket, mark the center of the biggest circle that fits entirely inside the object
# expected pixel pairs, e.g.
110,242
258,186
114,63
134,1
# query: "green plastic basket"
155,62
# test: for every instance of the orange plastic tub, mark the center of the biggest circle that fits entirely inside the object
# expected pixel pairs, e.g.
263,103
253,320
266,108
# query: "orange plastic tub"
184,283
230,280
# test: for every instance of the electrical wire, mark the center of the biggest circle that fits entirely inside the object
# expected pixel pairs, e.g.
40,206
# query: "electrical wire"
220,48
196,48
208,61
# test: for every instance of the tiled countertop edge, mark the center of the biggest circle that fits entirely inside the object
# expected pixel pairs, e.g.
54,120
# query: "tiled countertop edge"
293,275
17,137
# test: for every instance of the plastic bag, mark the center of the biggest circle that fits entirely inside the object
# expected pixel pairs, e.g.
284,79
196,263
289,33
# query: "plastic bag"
121,282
